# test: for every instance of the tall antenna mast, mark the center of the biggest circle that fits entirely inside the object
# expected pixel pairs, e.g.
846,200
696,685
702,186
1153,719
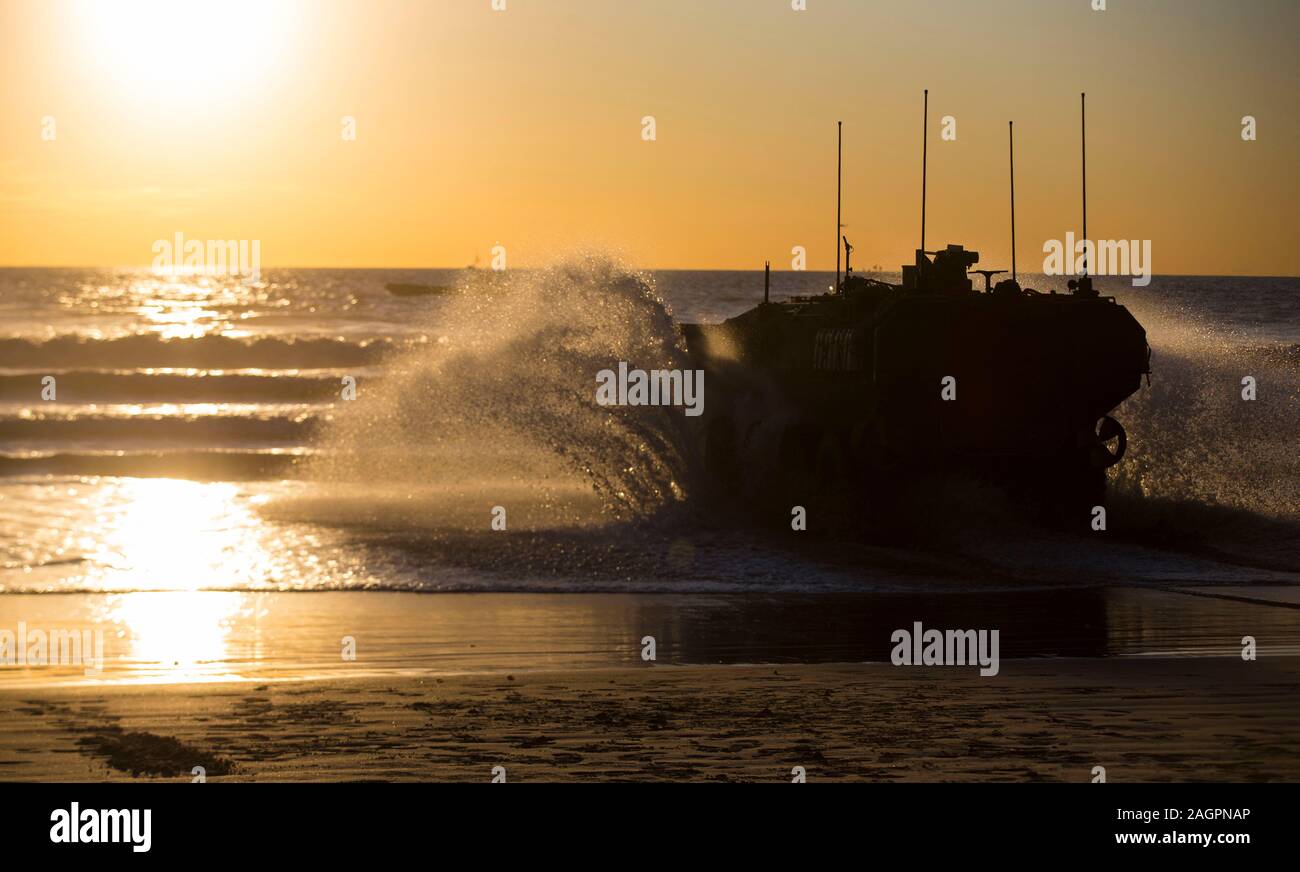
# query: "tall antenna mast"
1083,142
925,129
1011,140
839,174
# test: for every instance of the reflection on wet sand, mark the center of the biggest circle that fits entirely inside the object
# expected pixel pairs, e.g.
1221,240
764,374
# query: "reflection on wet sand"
203,636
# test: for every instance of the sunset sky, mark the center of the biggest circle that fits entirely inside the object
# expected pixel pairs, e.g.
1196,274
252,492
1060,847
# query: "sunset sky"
523,128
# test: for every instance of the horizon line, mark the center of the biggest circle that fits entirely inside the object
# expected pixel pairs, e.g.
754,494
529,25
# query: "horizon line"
632,267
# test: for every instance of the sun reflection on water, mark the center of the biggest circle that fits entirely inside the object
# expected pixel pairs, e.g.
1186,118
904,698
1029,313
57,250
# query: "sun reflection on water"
176,576
176,550
168,534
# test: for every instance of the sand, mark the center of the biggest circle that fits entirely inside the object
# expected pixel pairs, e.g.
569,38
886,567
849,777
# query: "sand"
1143,719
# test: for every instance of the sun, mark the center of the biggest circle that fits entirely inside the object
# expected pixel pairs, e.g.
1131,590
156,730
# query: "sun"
184,50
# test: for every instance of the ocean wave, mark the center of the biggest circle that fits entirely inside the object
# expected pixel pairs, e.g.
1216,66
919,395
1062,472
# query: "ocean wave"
197,386
195,465
207,352
123,431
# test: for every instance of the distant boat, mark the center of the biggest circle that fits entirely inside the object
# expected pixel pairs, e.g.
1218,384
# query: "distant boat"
412,289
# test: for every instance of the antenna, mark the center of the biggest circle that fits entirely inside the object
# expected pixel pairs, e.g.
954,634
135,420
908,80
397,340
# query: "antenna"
925,129
1011,141
1083,143
839,173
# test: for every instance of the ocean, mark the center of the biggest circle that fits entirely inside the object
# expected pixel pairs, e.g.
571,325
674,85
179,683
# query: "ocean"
165,434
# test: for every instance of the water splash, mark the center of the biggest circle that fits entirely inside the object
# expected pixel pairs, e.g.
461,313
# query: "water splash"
499,407
1191,435
1208,471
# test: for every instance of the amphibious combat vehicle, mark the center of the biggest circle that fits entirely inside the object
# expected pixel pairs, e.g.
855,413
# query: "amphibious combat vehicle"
875,386
886,383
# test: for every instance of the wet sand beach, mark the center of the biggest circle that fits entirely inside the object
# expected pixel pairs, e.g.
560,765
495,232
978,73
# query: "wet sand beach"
1147,720
1149,684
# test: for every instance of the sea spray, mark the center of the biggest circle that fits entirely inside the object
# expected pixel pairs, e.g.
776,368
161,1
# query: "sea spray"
498,407
1192,436
1207,469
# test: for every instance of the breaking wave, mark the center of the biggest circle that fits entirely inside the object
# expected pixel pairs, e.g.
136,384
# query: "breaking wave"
207,352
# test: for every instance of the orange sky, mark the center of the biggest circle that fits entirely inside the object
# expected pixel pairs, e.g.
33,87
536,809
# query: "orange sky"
222,121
